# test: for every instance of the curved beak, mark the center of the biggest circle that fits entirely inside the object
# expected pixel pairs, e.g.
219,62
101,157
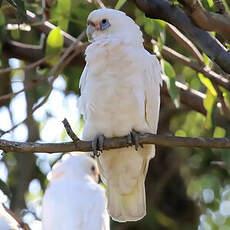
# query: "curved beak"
89,32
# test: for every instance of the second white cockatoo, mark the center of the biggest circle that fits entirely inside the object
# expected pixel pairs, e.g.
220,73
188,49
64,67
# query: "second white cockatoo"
120,95
74,200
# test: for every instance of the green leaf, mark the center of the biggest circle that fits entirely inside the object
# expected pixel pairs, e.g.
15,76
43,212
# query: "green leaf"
61,14
219,132
209,102
119,4
206,59
227,45
210,3
226,96
5,188
15,34
180,133
160,43
2,19
1,3
170,82
54,44
208,84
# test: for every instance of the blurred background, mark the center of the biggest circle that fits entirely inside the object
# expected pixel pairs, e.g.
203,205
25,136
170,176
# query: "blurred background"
187,188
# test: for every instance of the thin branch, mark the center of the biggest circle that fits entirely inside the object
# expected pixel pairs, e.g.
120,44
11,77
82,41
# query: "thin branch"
18,220
70,132
225,109
164,10
46,27
170,53
74,47
189,97
186,43
30,66
114,143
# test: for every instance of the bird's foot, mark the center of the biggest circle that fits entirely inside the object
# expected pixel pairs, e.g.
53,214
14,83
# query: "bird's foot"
134,139
97,145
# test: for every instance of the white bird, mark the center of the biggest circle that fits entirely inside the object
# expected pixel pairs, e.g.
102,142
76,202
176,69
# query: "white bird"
120,95
74,200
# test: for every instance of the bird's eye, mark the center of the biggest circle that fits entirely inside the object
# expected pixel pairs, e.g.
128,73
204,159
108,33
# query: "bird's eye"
104,24
104,21
93,168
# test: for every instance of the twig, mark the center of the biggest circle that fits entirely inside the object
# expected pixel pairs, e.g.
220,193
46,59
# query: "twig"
185,42
114,143
53,71
46,27
219,164
18,220
170,53
100,3
225,109
70,132
164,10
30,66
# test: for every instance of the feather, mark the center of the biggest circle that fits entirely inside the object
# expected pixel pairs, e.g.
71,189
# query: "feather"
121,93
73,200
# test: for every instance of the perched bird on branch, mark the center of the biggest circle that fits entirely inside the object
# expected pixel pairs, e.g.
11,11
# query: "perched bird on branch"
74,200
120,95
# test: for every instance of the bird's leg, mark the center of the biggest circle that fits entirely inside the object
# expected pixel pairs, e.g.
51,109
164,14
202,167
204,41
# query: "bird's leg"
97,145
135,139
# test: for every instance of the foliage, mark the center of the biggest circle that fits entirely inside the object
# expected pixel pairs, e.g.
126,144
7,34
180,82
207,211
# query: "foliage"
185,188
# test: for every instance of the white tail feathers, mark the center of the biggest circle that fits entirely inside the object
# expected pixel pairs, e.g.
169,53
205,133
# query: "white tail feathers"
127,207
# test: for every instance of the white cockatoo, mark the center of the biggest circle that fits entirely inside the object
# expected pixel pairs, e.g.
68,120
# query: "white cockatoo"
120,95
74,200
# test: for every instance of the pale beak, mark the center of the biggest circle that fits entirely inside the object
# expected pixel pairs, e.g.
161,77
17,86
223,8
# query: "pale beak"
96,176
90,30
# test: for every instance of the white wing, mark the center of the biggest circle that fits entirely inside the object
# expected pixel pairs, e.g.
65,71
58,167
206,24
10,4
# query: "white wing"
83,77
97,217
152,84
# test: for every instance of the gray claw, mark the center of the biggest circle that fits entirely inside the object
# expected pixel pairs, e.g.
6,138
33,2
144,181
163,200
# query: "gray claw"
136,139
129,140
97,145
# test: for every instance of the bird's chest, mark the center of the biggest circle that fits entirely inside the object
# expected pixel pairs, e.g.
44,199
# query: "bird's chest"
111,59
113,93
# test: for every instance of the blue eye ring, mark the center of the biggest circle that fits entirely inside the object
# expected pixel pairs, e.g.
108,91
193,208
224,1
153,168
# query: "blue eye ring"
104,24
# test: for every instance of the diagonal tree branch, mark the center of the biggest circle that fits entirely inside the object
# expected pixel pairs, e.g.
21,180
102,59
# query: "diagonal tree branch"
213,76
185,42
46,27
162,9
208,20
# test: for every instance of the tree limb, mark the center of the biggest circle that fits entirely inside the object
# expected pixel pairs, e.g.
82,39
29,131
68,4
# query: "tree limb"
208,20
22,224
217,78
162,9
114,143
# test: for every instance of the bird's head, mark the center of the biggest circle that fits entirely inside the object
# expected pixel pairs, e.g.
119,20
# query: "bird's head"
103,23
75,167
